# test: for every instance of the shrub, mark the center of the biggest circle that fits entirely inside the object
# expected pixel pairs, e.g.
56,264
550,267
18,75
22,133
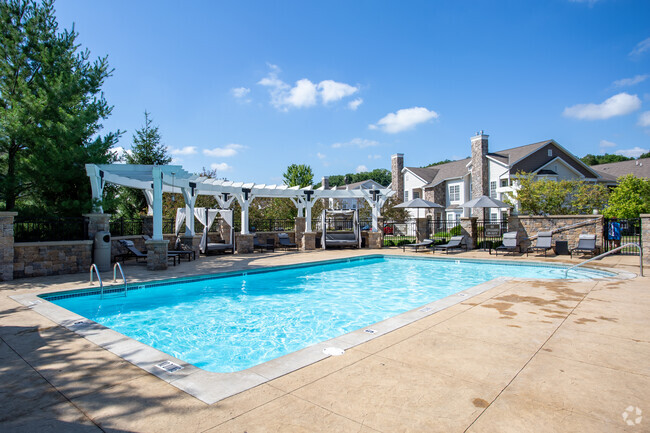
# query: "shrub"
456,231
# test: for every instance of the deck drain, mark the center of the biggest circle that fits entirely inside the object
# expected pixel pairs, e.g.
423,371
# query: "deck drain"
169,367
370,331
80,322
462,295
425,309
333,351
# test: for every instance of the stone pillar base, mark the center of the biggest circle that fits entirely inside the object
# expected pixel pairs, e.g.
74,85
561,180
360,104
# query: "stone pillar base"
7,245
299,230
469,228
308,241
375,240
97,222
645,238
156,254
192,242
243,243
421,229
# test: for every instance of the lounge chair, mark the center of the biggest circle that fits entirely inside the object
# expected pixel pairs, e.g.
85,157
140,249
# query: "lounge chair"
134,252
268,246
586,244
510,243
544,241
283,240
455,243
425,243
341,239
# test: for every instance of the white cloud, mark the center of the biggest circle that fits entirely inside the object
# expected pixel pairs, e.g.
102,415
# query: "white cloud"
604,144
321,155
353,105
304,93
120,151
223,152
240,92
632,153
220,166
357,142
617,105
374,156
187,150
404,119
641,48
361,169
589,2
332,91
631,81
644,119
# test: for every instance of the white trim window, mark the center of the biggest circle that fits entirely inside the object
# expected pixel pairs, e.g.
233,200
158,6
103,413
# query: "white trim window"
406,196
493,189
416,194
454,192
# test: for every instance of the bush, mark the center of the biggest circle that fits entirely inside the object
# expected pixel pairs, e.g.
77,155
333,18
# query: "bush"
388,243
403,242
456,231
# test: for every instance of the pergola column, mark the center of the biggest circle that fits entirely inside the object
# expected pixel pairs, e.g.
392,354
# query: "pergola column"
244,198
300,205
157,204
308,203
148,195
96,177
189,195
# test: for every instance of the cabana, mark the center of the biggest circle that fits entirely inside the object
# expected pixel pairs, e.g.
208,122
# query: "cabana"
207,217
340,238
153,180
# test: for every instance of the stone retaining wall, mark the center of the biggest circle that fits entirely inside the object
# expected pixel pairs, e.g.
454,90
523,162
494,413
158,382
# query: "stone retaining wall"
39,259
528,226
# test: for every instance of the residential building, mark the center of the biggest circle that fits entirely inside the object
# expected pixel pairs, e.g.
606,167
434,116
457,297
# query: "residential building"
349,203
486,173
614,170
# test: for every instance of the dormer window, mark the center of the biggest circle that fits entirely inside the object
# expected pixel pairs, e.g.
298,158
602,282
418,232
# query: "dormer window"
550,152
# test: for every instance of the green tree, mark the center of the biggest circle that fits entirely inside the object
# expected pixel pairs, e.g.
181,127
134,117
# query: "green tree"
564,197
298,175
379,175
146,150
51,106
644,155
444,161
630,198
590,159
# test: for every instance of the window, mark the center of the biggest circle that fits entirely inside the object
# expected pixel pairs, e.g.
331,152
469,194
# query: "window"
504,182
493,189
416,194
454,192
406,196
550,152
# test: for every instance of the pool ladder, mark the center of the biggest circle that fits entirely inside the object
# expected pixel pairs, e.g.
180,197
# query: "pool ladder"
101,284
631,244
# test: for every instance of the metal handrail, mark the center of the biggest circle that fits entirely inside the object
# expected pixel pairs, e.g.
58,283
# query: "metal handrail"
631,244
99,278
115,268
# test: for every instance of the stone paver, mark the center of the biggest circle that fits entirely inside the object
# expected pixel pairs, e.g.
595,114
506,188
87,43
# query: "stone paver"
526,356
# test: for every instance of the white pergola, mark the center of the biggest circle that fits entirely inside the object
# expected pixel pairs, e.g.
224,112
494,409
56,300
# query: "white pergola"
153,180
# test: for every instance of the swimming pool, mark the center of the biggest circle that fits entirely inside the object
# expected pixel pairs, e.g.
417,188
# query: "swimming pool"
226,323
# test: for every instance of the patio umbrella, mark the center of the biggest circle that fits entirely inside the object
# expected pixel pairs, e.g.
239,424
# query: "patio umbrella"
418,203
485,202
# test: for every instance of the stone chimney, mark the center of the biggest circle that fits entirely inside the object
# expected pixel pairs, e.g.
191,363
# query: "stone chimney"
325,182
480,175
397,179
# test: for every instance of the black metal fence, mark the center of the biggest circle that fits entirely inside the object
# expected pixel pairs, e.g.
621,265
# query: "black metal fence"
490,233
399,233
617,232
50,229
126,227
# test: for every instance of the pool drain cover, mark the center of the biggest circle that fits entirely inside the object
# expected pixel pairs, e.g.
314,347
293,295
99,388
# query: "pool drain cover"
370,331
169,367
333,351
425,309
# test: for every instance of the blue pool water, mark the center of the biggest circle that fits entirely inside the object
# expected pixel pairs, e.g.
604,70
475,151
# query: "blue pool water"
225,324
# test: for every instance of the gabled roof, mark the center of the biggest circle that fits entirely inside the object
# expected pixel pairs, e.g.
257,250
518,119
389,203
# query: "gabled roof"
449,170
510,156
358,185
425,173
614,170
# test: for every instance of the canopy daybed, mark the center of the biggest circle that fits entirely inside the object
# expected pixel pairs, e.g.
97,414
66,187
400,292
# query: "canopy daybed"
340,238
207,217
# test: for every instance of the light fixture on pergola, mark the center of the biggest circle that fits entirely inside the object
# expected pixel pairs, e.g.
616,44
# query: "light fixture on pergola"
153,180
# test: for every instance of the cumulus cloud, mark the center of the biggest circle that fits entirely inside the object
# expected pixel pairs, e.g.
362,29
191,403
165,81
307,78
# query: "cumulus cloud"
220,166
625,82
644,119
240,92
354,104
356,142
632,153
120,152
404,119
604,145
361,169
321,155
304,93
187,150
617,105
223,152
641,47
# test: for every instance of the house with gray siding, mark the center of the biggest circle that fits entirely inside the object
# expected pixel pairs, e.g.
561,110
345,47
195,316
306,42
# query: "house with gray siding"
485,172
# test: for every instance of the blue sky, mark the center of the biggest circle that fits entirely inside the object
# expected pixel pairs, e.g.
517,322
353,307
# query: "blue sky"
251,87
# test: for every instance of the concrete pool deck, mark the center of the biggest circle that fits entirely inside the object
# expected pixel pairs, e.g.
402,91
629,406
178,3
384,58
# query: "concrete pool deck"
523,356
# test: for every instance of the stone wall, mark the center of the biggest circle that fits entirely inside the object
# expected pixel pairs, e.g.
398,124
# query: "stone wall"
396,165
529,226
480,180
645,237
39,259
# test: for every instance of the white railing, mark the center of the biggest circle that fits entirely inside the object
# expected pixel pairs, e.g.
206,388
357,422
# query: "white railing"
101,285
631,244
115,268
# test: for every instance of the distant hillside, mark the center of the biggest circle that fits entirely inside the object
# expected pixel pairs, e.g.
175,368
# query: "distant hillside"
379,175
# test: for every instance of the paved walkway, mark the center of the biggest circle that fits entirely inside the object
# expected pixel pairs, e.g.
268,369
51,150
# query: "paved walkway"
525,356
